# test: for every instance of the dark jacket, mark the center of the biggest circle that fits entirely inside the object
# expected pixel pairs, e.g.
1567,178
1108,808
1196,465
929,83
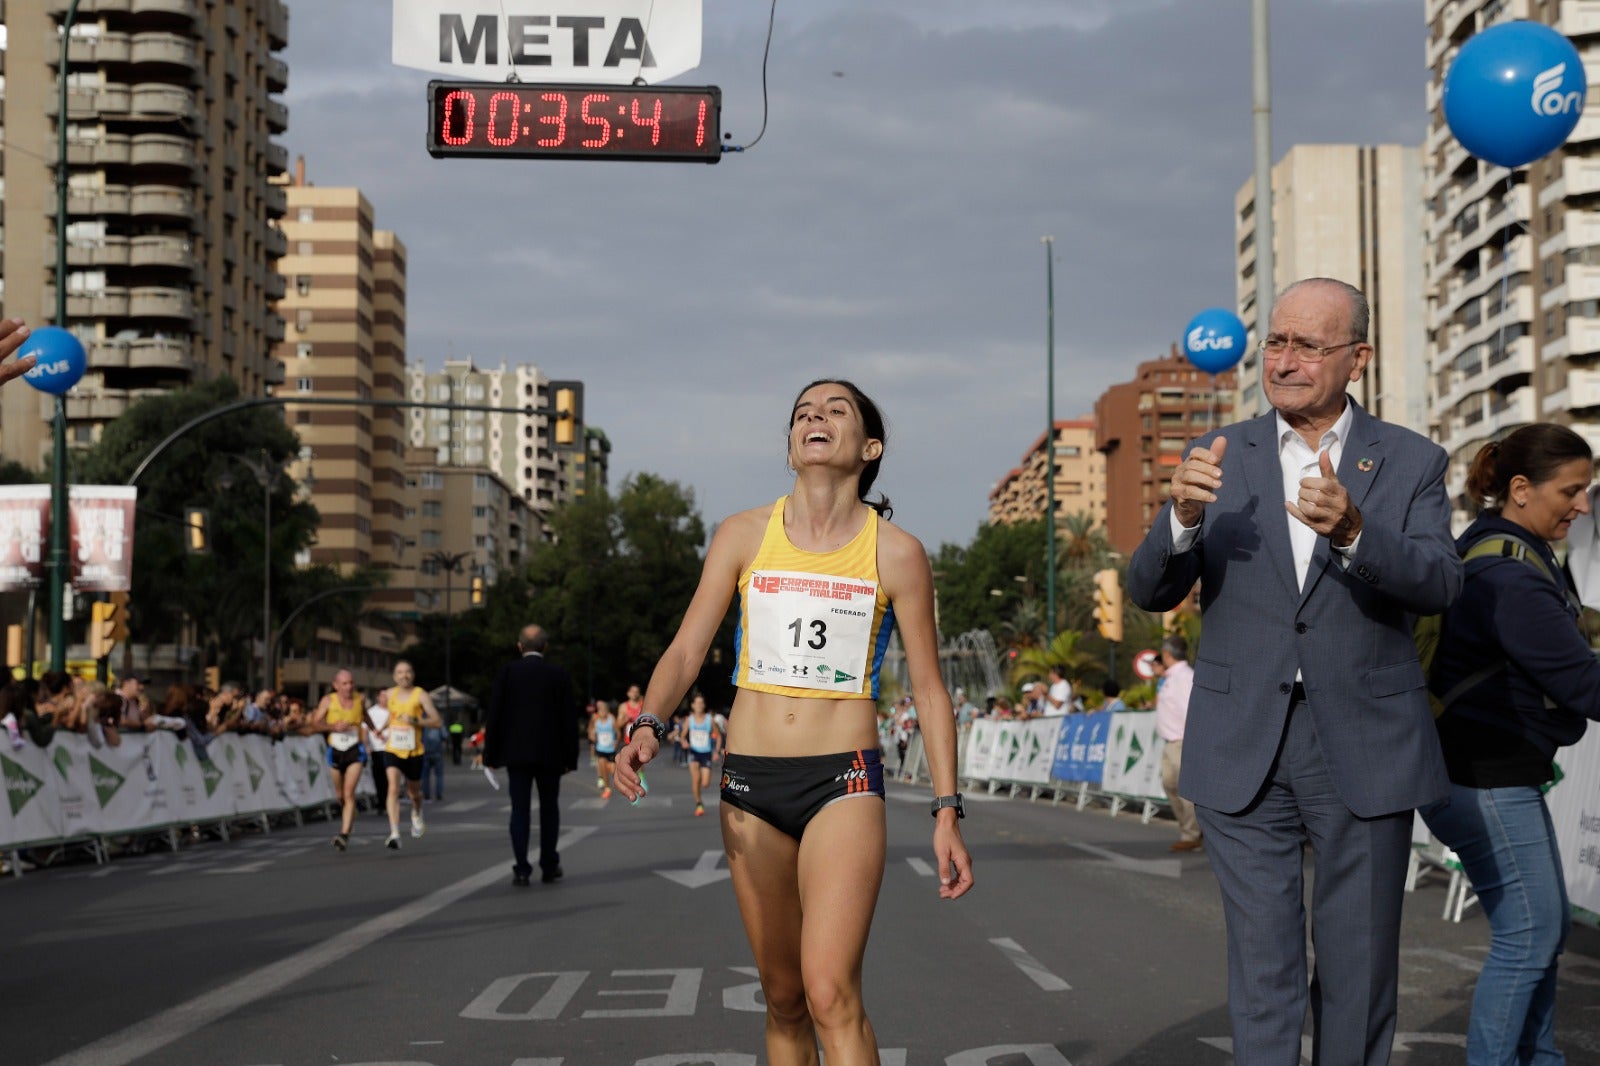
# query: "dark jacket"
1509,611
533,717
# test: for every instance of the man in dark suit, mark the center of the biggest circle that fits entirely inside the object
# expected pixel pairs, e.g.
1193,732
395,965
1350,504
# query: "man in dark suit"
532,731
1316,532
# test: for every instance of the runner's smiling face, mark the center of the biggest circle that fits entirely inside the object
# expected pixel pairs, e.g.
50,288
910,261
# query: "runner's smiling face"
826,428
403,674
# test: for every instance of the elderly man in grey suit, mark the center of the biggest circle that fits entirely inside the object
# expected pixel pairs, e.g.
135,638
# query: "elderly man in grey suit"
1316,533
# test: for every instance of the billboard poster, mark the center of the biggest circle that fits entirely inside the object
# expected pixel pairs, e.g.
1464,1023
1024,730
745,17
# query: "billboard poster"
24,536
101,524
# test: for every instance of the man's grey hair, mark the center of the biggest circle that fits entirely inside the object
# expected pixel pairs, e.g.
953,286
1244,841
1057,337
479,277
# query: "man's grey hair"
1176,647
1360,309
230,688
533,638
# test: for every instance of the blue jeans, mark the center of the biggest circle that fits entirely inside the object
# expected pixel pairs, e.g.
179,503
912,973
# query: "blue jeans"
433,776
1507,847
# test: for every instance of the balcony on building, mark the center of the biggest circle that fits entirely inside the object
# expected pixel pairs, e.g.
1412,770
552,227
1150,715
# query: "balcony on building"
272,285
109,149
162,201
164,149
156,101
272,328
160,301
275,243
96,48
110,302
275,200
1583,388
1578,17
277,72
164,49
102,406
185,9
160,353
1506,412
58,8
277,116
273,373
277,157
110,352
277,24
164,251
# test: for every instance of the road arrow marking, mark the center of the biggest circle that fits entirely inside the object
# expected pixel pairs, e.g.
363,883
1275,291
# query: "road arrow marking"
705,872
1158,867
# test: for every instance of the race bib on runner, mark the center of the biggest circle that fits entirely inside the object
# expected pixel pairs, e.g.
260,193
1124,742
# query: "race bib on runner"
343,741
809,630
401,738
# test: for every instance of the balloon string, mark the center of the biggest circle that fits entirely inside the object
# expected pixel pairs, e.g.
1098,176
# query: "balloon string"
1505,262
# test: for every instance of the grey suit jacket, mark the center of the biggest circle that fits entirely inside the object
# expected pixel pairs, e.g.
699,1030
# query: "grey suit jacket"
1348,631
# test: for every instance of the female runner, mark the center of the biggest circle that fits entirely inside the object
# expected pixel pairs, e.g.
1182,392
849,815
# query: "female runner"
822,578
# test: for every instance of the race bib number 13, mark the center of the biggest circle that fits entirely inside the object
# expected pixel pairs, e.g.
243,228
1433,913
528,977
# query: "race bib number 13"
809,630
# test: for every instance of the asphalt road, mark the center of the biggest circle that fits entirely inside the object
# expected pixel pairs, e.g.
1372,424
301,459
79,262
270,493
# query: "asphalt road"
1084,942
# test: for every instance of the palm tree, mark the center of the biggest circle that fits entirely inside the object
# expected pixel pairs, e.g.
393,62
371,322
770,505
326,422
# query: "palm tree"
1035,663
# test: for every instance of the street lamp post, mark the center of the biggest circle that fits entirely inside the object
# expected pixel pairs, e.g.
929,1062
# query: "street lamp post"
266,476
1050,439
58,465
450,563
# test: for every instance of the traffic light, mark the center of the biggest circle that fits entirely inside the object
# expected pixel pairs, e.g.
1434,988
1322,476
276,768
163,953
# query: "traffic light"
14,651
477,591
568,429
100,629
119,617
1108,604
213,678
197,530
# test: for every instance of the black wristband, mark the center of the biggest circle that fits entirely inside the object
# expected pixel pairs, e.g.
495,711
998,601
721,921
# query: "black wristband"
650,722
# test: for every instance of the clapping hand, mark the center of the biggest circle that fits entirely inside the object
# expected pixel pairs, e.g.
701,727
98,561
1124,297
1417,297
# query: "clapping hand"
1325,506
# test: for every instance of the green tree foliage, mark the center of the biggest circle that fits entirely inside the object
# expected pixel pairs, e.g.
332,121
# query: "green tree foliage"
977,584
219,592
611,589
1033,664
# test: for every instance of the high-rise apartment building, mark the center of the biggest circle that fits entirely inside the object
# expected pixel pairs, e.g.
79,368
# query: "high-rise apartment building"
345,313
517,447
1021,495
1351,212
171,242
1142,427
1513,260
469,524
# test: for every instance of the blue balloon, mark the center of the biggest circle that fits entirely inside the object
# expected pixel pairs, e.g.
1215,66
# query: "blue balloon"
1214,340
1514,93
61,359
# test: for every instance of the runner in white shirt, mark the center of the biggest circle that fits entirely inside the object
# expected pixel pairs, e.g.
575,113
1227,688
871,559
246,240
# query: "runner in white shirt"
705,747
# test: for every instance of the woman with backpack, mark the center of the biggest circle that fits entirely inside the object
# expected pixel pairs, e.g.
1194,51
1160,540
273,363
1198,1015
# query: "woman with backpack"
1518,681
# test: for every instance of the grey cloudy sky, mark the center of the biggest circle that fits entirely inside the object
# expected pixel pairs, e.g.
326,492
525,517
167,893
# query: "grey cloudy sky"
886,228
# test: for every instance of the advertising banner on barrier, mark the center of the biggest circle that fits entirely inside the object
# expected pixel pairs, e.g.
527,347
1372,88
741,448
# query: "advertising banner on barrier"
197,785
29,811
1133,756
1575,811
980,749
124,791
1081,747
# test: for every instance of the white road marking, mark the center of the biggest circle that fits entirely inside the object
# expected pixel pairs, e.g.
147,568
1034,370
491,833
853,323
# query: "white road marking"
1029,965
152,1034
921,866
1159,867
705,872
461,806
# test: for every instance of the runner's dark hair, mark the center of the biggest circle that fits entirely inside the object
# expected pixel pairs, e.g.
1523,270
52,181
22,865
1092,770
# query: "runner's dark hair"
872,421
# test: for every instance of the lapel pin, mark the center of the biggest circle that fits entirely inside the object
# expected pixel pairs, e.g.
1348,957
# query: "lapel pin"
1364,465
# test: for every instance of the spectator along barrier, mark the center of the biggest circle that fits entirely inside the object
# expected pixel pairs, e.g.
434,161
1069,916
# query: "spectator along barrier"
71,792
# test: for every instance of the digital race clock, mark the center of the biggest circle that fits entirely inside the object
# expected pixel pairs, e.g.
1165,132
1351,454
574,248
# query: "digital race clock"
512,119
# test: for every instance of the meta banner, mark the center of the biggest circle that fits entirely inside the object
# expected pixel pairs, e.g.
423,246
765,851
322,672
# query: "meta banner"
608,42
100,526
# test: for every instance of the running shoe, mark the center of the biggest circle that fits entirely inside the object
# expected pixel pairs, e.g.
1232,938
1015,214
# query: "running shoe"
417,827
699,810
605,794
393,843
599,782
341,841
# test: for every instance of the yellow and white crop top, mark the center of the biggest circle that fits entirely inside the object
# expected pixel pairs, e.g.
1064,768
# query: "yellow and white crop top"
813,623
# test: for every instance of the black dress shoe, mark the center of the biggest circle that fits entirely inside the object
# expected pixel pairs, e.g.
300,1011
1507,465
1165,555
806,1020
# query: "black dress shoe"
550,876
520,880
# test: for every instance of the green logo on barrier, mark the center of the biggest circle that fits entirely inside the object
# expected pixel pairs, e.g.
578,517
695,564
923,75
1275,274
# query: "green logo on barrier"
312,772
232,756
21,786
211,774
106,780
1135,753
181,752
63,760
256,773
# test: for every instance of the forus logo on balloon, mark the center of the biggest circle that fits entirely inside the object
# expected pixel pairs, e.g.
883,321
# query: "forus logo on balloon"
1203,340
1548,99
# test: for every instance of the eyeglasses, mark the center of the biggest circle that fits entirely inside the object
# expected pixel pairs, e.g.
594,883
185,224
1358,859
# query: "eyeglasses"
1274,347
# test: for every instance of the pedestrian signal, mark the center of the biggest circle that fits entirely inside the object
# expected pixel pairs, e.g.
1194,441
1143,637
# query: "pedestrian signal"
477,591
197,530
1108,604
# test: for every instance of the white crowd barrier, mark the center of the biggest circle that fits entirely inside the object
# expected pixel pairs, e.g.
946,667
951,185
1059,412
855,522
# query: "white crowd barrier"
1575,809
152,781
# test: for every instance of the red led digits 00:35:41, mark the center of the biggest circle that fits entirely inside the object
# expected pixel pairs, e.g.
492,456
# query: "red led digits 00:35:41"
489,119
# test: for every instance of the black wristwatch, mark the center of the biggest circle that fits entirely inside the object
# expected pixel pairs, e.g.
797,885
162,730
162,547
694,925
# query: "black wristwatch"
650,722
941,802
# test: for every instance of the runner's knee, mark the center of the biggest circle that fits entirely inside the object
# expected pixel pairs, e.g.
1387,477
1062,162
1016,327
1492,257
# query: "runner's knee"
833,1003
